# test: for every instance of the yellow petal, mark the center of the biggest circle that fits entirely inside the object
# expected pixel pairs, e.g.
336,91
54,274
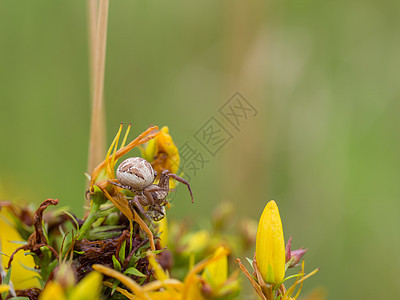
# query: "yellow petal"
20,276
192,281
158,270
150,151
88,288
216,273
166,295
127,281
270,245
165,144
4,288
144,137
163,229
53,291
197,242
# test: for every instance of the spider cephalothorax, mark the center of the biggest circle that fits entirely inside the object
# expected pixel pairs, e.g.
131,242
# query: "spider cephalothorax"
137,175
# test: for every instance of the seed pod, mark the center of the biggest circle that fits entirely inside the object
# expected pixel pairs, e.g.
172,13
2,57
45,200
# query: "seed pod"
136,173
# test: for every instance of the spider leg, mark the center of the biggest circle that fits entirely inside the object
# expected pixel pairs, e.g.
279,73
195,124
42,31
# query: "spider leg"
156,194
148,196
180,179
135,201
126,187
119,185
157,188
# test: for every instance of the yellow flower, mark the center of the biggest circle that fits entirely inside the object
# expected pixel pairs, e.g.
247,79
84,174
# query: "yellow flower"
270,245
162,153
269,261
166,145
216,273
196,242
87,289
52,291
164,288
4,288
163,229
20,276
104,173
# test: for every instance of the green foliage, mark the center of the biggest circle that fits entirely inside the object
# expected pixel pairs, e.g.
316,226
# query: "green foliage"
134,271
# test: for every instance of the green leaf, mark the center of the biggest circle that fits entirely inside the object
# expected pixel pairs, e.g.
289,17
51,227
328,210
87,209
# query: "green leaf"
141,255
45,231
73,218
96,189
47,267
98,196
106,228
117,265
24,230
107,211
141,280
130,239
7,277
250,262
143,248
122,251
291,276
41,282
157,251
208,276
29,268
114,286
132,262
19,298
61,230
102,235
2,253
19,242
135,272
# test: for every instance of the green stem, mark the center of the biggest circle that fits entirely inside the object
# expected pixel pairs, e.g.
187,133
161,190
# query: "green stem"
94,208
106,212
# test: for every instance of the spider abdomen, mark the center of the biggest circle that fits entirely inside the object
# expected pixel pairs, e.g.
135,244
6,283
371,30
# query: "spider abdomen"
136,173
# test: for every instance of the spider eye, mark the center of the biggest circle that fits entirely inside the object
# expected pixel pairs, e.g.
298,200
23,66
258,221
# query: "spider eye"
155,174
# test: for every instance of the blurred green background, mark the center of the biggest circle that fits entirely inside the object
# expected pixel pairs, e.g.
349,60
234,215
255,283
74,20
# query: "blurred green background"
323,76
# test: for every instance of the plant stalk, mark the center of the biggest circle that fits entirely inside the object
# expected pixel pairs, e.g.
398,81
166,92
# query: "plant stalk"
98,58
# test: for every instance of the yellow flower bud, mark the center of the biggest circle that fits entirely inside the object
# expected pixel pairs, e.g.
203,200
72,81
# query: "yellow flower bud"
270,245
